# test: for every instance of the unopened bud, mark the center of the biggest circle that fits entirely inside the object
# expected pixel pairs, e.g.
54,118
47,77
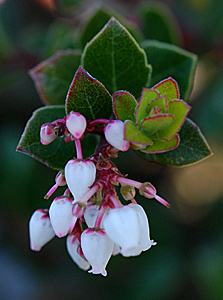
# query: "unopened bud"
47,134
128,192
114,134
147,190
40,229
78,209
76,124
80,175
61,215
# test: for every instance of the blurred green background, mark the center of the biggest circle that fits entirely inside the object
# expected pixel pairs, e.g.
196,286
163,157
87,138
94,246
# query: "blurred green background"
187,262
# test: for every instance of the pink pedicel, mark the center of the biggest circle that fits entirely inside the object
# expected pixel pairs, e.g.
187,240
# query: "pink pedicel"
90,213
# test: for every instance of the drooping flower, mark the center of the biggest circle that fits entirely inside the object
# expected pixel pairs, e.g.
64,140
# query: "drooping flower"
128,227
47,134
72,248
91,214
76,124
80,175
122,226
97,248
61,215
40,229
114,134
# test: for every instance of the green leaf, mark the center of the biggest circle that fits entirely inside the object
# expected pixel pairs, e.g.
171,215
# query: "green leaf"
160,24
124,105
156,123
88,96
148,95
53,76
94,25
169,60
59,36
192,148
168,88
99,19
133,134
114,58
158,102
56,154
160,146
179,109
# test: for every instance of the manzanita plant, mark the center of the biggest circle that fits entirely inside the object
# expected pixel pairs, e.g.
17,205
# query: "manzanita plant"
110,106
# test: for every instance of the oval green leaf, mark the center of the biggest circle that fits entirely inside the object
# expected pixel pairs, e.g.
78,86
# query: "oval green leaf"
133,134
88,96
124,105
169,60
53,76
179,109
192,148
114,58
156,123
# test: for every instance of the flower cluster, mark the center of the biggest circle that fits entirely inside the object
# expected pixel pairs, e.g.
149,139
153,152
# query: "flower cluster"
90,213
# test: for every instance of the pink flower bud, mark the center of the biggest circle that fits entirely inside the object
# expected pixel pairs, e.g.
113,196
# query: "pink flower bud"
80,175
147,190
61,215
97,248
76,124
72,247
114,134
40,229
47,134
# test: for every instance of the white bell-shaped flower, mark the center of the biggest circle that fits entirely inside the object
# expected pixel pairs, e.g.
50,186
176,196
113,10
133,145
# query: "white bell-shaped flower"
47,134
90,215
144,241
80,175
76,124
97,248
114,134
116,250
123,227
72,246
40,229
61,215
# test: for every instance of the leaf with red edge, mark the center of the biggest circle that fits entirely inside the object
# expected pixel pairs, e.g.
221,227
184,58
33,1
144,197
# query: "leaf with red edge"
115,58
158,122
88,96
133,134
160,146
53,76
124,105
179,109
159,102
168,88
192,148
148,95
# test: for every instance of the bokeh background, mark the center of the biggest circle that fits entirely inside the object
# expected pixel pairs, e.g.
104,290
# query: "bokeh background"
187,262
